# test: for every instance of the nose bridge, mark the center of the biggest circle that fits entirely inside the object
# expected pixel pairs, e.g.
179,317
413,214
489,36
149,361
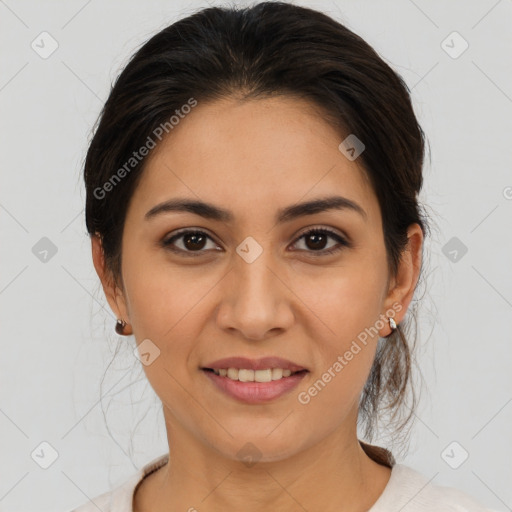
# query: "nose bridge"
254,279
256,300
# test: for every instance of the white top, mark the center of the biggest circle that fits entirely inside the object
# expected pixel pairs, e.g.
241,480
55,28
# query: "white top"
405,487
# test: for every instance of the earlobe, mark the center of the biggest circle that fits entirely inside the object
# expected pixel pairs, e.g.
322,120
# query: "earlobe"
107,282
408,272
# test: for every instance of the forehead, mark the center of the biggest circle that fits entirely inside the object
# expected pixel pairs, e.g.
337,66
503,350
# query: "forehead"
252,155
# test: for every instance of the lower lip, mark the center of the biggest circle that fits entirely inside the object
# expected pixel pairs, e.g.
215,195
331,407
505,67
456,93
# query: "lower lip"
255,392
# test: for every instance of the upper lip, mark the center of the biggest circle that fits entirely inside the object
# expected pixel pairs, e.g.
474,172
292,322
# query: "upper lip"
255,364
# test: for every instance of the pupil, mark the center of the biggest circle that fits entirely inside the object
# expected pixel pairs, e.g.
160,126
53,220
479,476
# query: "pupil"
315,237
194,237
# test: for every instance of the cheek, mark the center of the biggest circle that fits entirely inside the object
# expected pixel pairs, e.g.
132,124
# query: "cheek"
346,299
165,315
162,294
344,305
163,306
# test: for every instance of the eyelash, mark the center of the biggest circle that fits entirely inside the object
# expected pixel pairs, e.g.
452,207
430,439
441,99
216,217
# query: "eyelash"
324,252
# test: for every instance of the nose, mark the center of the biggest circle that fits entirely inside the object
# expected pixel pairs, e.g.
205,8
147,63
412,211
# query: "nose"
256,300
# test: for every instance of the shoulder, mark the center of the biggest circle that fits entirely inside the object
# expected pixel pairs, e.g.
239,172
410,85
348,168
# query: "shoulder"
120,499
409,487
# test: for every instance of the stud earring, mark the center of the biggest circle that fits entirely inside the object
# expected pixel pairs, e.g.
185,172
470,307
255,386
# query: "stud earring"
392,325
120,327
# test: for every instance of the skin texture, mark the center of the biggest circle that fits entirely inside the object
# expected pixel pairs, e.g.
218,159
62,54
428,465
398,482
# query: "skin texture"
253,158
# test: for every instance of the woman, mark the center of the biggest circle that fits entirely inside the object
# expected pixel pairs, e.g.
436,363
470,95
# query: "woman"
252,201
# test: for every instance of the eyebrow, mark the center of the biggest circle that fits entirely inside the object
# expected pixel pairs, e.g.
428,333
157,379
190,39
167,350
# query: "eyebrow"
210,211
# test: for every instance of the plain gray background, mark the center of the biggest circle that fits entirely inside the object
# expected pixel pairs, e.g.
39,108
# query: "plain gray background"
57,329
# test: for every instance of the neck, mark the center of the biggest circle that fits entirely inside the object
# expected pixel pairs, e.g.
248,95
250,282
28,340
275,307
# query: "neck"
334,475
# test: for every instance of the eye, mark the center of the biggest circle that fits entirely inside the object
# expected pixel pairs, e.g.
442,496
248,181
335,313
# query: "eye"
195,240
192,240
318,236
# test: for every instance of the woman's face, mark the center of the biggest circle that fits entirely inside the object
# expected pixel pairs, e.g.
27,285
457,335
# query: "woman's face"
253,286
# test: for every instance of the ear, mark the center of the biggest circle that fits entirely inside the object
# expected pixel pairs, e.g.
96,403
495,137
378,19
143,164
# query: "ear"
404,283
113,293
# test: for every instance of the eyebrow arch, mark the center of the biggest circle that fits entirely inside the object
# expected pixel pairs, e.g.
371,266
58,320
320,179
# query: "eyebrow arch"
210,211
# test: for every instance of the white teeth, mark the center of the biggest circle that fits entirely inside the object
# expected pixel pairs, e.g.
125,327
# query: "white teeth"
244,375
263,375
232,373
277,373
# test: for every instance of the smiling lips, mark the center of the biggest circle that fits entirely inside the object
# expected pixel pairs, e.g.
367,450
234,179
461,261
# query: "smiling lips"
255,381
